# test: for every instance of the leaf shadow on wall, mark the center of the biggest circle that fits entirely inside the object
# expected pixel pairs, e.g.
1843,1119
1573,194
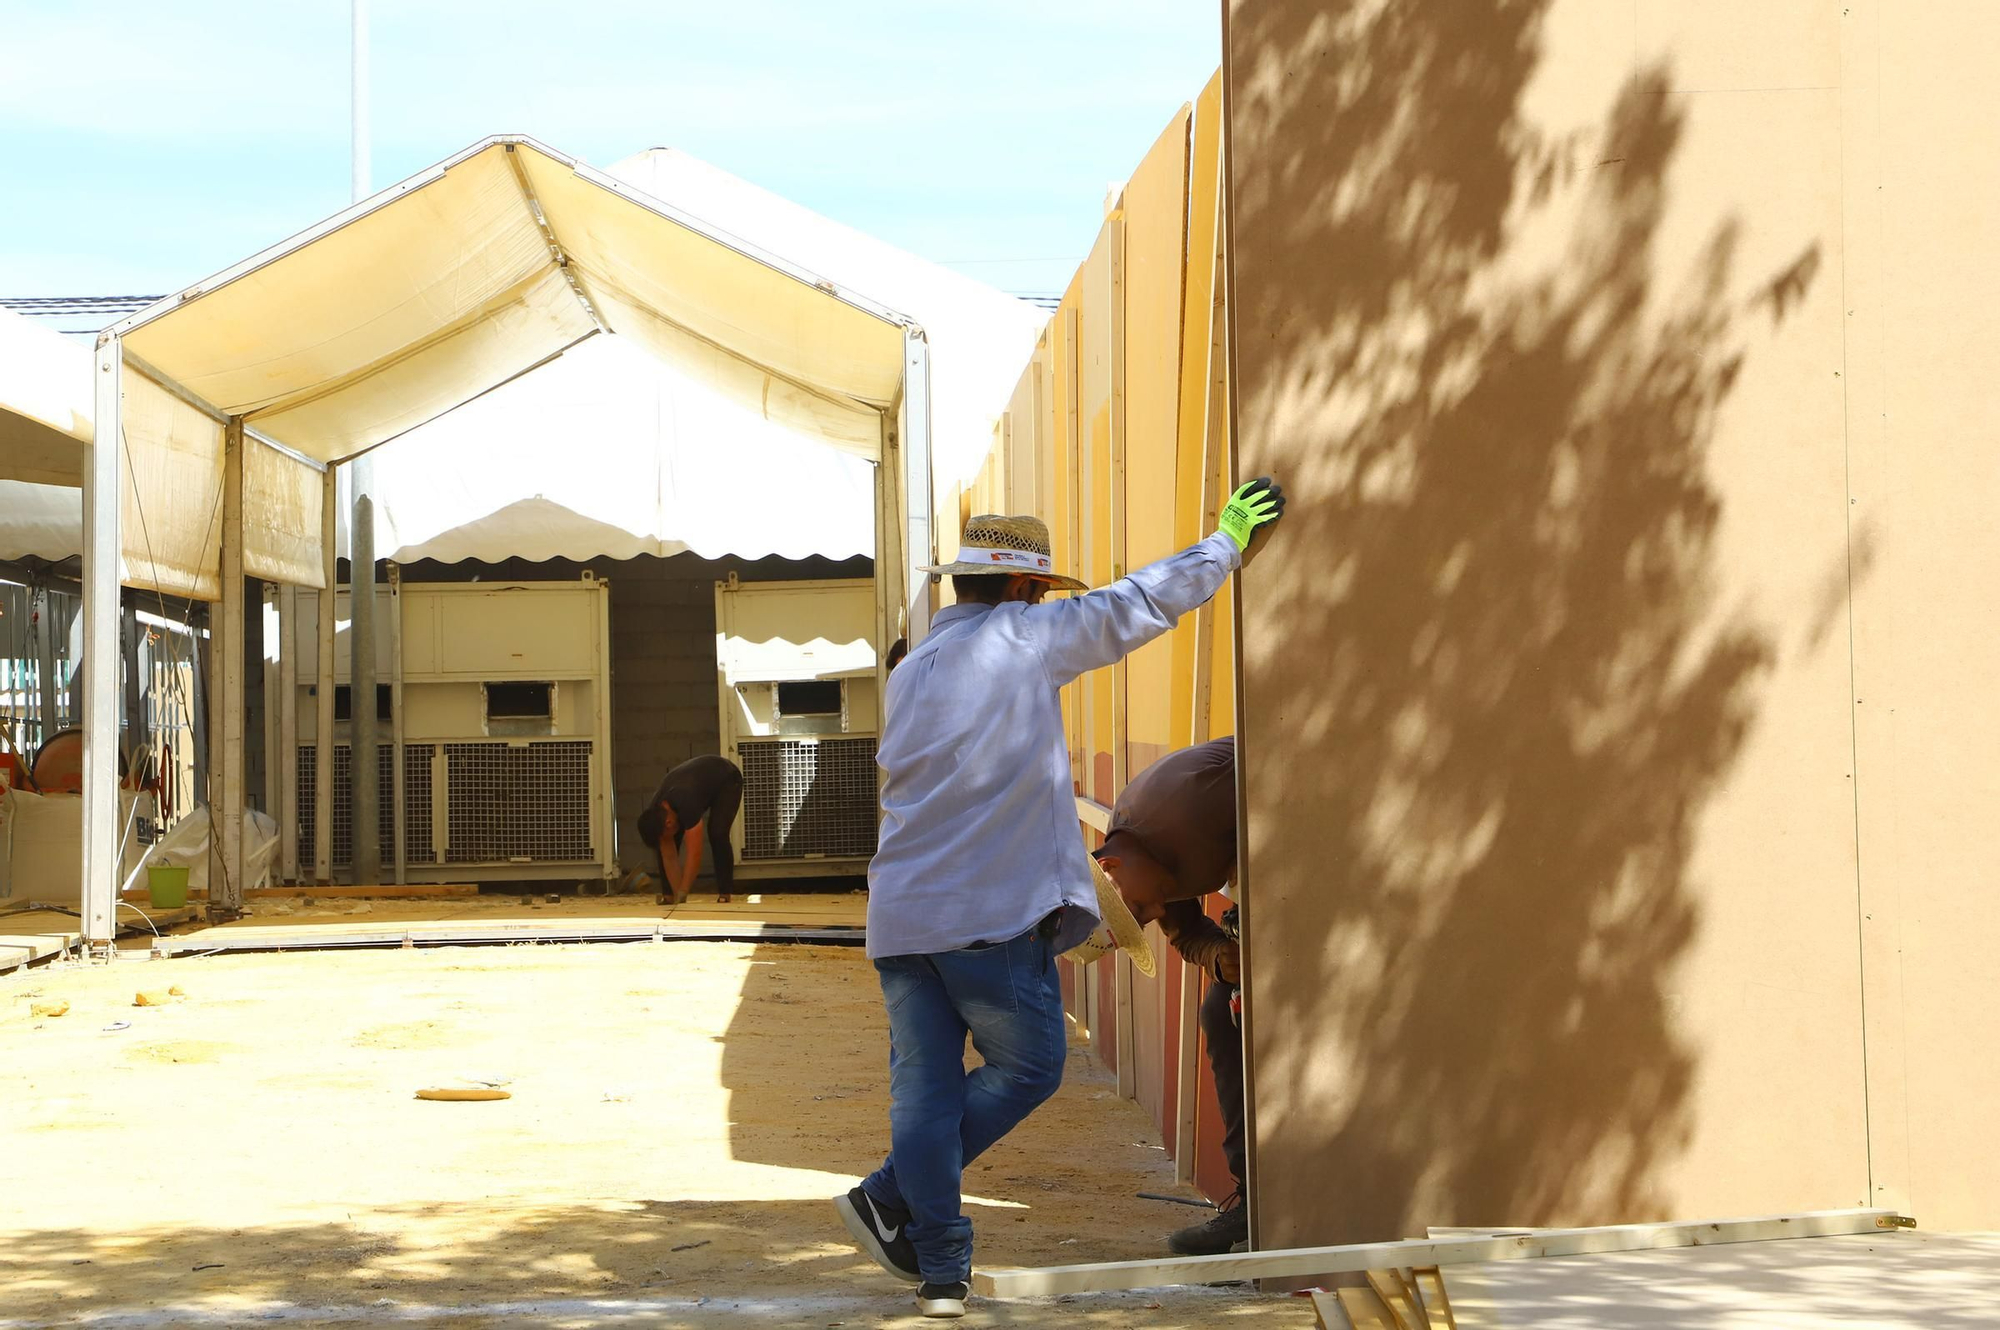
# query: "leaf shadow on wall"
1493,622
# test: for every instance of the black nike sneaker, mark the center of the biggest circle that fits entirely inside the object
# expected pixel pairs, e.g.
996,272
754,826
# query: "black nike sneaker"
882,1233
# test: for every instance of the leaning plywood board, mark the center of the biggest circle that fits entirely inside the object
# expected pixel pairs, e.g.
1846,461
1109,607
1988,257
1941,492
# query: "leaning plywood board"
1545,720
1437,1303
1363,1310
1924,355
1888,1282
1396,1299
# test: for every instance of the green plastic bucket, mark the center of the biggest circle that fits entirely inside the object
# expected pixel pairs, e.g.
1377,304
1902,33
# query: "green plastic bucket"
167,885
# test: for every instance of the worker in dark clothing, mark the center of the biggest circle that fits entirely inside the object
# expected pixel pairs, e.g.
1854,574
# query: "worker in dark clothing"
1172,840
698,801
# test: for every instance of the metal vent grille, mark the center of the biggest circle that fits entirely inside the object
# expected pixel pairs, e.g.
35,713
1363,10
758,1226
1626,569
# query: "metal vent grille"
417,797
805,798
513,804
417,845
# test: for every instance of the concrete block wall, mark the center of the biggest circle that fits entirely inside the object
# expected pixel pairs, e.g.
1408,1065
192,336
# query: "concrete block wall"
663,708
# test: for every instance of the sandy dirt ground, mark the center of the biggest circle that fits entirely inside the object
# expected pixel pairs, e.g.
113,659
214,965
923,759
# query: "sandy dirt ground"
681,1113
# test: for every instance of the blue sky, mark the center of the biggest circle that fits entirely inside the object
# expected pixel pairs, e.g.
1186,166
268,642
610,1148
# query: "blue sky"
148,145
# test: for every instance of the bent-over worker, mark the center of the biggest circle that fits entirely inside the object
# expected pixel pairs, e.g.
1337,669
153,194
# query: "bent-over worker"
980,879
697,802
1172,840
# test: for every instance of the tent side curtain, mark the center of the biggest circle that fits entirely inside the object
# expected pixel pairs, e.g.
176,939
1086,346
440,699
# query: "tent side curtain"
170,524
281,516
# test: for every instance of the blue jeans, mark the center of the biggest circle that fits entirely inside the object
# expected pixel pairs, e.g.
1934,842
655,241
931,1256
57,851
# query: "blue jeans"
941,1118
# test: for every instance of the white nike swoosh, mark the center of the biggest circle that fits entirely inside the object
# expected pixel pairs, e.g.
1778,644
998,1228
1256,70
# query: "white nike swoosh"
888,1234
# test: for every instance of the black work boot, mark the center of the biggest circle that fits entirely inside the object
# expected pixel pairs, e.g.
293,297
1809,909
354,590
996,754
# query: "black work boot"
1227,1229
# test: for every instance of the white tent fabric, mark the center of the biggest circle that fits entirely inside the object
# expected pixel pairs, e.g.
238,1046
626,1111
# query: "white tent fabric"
657,458
463,277
40,521
979,337
45,403
646,460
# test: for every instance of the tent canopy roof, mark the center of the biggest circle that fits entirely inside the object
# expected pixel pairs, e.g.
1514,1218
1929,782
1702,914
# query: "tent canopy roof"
473,272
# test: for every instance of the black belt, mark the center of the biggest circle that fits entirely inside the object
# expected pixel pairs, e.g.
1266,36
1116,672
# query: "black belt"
1046,929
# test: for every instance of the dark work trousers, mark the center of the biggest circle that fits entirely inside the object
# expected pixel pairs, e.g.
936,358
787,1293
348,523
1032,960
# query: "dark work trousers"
722,822
1225,1059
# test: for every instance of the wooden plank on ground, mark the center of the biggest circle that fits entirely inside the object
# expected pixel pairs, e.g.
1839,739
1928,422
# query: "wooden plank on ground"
1355,1258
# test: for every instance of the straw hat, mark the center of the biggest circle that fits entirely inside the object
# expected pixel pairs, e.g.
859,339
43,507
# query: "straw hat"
996,544
1123,929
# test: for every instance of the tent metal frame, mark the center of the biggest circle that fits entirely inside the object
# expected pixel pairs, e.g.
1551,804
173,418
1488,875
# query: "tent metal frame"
902,498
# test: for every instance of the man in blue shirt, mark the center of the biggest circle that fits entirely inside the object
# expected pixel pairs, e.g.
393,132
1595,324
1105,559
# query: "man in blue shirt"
980,879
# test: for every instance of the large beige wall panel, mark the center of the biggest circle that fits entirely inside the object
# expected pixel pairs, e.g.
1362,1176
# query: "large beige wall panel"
1923,197
1546,732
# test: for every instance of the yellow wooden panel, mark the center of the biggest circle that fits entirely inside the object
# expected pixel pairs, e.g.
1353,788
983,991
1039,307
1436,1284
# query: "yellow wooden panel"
1150,279
1191,435
1154,269
1064,451
1097,310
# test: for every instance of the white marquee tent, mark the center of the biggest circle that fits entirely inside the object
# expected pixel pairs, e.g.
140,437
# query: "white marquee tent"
257,382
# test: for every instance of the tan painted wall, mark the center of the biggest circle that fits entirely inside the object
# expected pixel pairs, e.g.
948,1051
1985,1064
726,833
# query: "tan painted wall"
1546,728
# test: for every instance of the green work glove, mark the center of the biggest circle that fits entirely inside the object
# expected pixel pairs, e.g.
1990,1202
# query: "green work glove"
1258,503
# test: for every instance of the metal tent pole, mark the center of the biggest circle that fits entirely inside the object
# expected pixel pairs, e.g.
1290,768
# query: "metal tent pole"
226,659
287,755
329,513
101,596
361,726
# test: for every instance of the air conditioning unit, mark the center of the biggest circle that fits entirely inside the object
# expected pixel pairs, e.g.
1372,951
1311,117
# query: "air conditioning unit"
797,687
506,693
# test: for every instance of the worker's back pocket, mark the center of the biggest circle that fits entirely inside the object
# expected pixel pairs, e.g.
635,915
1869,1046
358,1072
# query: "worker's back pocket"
982,979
